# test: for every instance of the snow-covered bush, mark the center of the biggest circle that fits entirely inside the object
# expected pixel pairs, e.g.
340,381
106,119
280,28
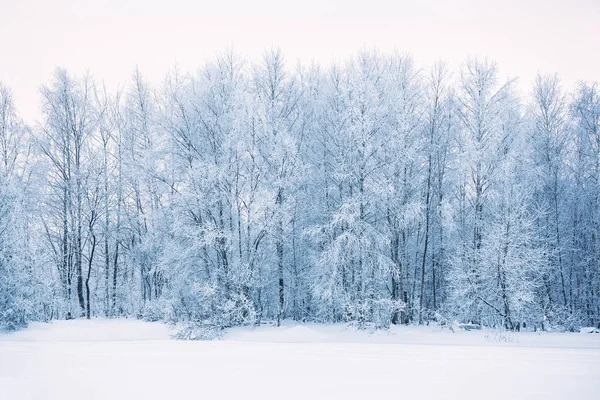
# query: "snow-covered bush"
11,319
561,319
383,311
196,330
157,310
204,310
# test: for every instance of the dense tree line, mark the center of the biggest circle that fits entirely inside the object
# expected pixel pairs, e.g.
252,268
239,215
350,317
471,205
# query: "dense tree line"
369,192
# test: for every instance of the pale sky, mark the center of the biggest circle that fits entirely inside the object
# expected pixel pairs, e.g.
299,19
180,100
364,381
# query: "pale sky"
109,37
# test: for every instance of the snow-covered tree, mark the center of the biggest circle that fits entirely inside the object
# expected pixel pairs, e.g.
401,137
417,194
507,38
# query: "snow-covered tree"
485,110
369,192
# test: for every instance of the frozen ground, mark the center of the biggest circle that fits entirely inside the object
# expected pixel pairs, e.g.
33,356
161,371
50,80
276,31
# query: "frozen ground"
136,360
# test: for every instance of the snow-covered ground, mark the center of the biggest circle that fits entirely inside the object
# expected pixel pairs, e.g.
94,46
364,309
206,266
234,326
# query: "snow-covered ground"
127,359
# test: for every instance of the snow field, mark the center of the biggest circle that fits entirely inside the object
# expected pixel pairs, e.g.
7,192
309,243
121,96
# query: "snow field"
127,359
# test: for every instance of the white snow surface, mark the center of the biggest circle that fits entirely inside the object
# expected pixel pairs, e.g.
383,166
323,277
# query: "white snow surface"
128,359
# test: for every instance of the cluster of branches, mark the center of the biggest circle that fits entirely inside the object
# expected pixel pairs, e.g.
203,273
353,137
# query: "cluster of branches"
370,192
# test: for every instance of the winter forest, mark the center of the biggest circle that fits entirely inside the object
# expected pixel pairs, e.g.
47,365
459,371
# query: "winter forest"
370,191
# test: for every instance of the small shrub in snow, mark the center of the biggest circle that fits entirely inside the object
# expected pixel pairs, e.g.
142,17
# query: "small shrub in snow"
203,311
375,313
383,311
369,327
501,336
197,331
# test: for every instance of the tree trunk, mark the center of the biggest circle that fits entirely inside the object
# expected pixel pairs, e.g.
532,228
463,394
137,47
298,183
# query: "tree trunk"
427,212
